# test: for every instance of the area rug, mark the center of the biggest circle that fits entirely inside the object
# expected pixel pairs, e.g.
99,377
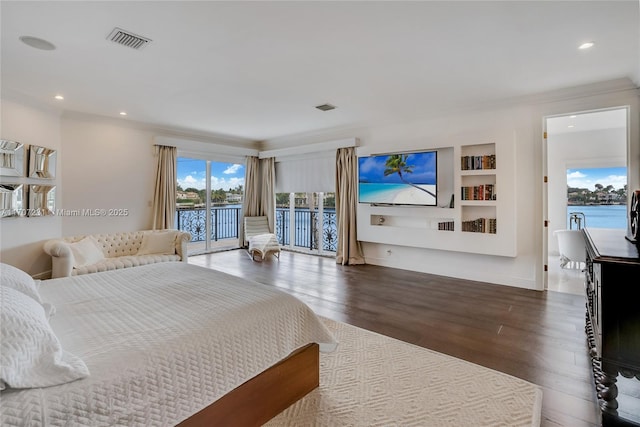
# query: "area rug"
374,380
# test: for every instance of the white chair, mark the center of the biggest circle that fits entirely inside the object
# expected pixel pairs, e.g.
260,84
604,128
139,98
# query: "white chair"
571,247
260,239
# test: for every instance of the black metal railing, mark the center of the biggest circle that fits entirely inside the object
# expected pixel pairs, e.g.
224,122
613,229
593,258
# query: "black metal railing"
308,233
224,223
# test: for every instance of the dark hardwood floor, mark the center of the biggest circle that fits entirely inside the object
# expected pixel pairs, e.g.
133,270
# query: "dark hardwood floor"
536,336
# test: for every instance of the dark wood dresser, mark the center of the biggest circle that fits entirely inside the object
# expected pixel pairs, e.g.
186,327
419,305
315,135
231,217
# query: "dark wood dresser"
612,283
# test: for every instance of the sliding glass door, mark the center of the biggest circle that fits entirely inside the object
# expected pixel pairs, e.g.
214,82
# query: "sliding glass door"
209,203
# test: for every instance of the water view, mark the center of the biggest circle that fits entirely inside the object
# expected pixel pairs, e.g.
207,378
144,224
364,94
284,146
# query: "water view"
600,216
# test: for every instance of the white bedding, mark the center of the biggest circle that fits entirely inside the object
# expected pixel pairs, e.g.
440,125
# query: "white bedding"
161,342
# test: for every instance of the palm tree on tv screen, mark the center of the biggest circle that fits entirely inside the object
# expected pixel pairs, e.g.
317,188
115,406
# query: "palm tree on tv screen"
397,163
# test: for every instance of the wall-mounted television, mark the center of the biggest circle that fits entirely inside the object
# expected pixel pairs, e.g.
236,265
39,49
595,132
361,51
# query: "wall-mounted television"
399,179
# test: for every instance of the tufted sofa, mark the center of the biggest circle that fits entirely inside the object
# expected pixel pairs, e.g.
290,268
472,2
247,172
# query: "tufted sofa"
92,253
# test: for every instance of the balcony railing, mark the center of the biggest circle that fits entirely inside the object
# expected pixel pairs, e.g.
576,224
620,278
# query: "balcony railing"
308,234
224,222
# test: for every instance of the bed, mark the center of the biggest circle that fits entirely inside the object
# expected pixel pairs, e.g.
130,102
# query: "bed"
173,343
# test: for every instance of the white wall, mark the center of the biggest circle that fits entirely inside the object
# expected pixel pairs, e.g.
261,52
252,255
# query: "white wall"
21,239
590,149
526,122
107,166
473,128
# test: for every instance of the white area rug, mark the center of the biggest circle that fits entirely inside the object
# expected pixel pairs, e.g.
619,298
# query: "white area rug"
373,380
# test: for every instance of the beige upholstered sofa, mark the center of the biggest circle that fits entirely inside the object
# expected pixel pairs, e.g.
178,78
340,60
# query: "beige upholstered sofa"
101,252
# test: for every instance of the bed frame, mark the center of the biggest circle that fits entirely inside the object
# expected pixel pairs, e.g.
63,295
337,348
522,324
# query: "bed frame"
266,395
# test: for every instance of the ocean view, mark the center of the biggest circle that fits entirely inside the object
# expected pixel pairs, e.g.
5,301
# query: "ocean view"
601,216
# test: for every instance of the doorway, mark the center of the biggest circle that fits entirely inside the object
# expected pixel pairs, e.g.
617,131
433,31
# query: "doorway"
578,146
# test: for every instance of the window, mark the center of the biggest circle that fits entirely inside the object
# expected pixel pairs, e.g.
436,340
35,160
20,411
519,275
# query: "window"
597,197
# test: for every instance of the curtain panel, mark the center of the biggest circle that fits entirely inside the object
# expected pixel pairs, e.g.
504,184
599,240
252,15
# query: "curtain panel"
164,195
349,251
268,195
251,202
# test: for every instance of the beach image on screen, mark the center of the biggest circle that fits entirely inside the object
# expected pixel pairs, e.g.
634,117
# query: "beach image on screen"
399,179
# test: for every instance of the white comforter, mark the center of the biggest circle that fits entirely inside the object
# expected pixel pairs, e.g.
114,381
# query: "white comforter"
161,342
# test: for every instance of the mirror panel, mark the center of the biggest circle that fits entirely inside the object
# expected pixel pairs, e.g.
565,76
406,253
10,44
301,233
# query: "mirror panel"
42,200
42,162
11,158
11,200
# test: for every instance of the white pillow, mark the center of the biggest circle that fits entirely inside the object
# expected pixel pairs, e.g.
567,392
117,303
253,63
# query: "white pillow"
17,279
86,252
30,353
160,242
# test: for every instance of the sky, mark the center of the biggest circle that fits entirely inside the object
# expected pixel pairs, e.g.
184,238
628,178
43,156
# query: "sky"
589,177
192,173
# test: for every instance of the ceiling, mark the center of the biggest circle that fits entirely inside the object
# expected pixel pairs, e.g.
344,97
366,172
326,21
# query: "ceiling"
256,70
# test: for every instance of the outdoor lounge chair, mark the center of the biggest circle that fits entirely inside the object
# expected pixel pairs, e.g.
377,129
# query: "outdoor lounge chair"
260,239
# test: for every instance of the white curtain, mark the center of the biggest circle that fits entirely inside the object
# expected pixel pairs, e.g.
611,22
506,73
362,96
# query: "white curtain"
164,195
268,199
349,250
251,202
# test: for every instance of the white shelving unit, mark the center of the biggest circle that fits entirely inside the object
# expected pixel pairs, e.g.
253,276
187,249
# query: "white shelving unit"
478,212
419,226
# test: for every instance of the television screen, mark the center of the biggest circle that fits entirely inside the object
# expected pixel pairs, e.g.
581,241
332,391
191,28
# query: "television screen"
398,179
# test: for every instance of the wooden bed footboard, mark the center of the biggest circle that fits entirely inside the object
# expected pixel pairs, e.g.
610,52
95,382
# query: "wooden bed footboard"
266,395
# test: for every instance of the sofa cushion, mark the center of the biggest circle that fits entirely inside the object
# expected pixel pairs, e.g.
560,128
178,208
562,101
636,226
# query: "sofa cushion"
161,242
123,262
86,252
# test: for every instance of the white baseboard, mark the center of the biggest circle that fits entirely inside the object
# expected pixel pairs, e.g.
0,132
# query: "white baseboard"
487,276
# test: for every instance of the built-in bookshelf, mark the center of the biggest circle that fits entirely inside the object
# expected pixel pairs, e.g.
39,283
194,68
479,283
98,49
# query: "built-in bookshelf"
478,191
474,193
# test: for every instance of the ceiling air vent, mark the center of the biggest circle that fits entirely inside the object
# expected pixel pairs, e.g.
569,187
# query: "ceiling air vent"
126,38
325,107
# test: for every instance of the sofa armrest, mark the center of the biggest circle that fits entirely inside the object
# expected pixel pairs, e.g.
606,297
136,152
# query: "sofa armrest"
182,240
61,258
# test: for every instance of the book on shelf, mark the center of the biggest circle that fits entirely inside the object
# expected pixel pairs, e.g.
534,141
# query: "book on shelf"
479,192
478,162
480,225
446,225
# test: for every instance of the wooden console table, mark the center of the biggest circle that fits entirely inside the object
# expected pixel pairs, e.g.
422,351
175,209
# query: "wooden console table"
612,282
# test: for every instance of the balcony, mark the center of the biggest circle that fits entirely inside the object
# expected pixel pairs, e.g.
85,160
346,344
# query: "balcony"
308,235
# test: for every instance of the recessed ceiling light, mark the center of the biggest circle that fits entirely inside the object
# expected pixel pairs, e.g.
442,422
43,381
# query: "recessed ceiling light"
586,45
123,113
573,117
570,126
37,43
59,97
